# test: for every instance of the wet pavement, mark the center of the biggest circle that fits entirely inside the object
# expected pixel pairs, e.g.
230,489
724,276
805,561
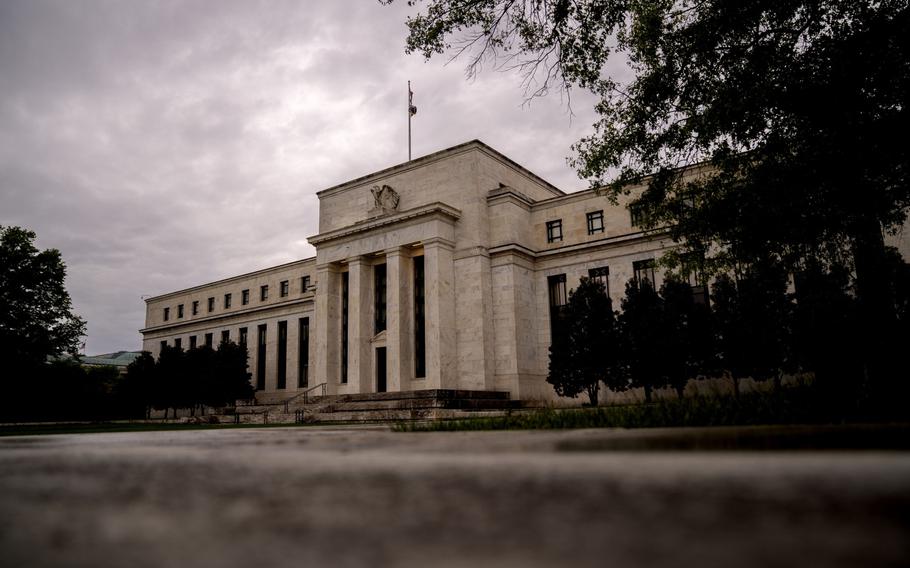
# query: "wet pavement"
369,497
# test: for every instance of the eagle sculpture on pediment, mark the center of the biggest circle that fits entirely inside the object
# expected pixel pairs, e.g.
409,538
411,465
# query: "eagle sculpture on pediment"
385,197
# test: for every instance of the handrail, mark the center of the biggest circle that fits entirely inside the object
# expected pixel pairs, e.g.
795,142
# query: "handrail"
306,395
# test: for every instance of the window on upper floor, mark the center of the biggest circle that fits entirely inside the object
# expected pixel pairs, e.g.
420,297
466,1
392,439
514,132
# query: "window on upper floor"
263,292
192,342
178,343
225,336
595,222
163,344
304,284
227,301
644,272
167,314
179,311
601,274
195,307
284,288
554,231
640,215
556,285
244,297
212,304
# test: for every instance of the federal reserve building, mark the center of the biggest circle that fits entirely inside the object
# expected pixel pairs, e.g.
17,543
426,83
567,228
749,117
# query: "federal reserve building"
443,272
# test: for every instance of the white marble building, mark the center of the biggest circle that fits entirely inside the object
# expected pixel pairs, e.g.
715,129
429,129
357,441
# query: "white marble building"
439,273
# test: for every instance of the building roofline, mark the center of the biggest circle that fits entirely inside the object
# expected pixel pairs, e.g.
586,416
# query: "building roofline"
230,279
440,155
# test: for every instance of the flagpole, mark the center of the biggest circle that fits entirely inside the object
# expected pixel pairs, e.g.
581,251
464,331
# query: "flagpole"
409,121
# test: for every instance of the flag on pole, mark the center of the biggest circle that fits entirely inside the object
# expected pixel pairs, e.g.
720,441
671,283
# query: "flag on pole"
412,110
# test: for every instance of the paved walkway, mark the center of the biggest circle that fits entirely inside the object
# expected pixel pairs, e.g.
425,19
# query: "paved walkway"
321,497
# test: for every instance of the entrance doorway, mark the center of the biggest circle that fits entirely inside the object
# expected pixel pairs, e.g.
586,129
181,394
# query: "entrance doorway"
380,370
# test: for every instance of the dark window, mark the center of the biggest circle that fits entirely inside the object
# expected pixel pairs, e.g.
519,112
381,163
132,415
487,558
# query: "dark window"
260,358
282,355
192,342
556,285
601,274
640,215
225,335
208,339
163,344
379,297
195,308
595,222
179,311
227,301
178,343
264,293
554,231
241,336
344,327
284,288
304,284
420,340
303,352
699,287
244,297
644,271
167,314
211,304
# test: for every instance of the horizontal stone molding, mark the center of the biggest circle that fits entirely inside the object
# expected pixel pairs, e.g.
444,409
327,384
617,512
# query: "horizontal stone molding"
436,209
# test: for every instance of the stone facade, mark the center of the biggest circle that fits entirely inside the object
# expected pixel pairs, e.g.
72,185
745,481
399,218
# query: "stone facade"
459,246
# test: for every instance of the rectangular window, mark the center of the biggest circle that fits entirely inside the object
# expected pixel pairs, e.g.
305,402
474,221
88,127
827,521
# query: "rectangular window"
244,297
556,285
163,344
263,292
227,301
208,339
420,340
304,284
179,311
639,214
195,307
178,343
284,288
554,231
167,314
595,222
379,297
241,336
225,336
344,327
601,274
699,287
211,303
260,357
644,272
282,355
192,342
303,352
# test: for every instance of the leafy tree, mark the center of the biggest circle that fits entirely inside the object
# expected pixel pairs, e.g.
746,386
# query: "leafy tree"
690,346
793,107
753,324
585,350
233,376
137,390
36,318
645,336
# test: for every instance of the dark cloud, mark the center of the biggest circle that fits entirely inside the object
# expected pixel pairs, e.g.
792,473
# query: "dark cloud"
161,145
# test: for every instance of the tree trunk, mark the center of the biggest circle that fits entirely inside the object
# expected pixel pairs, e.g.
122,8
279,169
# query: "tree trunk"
593,391
647,394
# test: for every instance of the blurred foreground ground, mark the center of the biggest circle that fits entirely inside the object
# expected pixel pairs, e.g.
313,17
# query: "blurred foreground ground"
324,497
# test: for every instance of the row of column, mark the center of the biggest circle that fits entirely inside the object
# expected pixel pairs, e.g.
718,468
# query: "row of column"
399,339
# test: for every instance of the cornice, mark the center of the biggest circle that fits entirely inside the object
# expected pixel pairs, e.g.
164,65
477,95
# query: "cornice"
308,298
437,209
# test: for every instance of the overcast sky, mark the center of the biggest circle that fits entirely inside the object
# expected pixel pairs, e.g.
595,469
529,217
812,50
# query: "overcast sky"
161,145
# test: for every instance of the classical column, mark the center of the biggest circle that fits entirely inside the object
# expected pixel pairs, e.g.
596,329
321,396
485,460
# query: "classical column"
360,325
440,313
399,319
327,328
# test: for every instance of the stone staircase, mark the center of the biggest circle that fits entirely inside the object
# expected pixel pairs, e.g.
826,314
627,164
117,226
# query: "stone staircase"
431,404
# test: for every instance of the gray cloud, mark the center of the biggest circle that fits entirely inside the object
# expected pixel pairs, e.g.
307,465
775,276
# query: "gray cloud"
162,145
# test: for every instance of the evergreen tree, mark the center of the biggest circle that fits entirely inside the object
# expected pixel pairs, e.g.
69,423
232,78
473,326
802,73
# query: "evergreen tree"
646,337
